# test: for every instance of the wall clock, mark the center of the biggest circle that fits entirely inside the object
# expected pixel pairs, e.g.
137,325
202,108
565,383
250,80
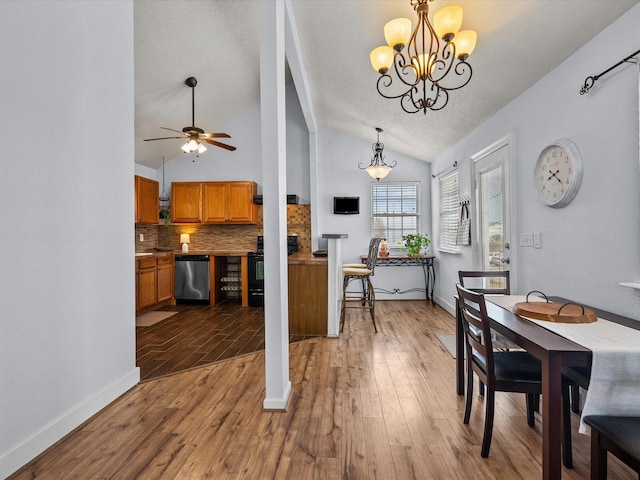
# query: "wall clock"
558,173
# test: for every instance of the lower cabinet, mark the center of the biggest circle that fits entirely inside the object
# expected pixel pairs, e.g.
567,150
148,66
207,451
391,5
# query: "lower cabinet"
154,280
308,292
165,278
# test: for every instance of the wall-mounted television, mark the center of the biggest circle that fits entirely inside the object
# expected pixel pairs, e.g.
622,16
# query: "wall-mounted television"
346,205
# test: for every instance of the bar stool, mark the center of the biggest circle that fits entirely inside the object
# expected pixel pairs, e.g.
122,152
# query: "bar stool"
367,296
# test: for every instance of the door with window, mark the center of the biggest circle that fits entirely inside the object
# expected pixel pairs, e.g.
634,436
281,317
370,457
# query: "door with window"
492,192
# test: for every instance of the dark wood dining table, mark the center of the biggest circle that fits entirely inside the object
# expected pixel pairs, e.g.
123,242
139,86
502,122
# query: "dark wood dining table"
555,352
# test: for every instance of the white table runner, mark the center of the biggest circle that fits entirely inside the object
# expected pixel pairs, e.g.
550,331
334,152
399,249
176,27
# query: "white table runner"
614,388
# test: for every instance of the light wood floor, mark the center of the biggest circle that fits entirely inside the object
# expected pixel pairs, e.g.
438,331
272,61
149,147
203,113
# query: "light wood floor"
364,406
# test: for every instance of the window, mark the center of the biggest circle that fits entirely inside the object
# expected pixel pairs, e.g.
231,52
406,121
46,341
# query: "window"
395,210
449,212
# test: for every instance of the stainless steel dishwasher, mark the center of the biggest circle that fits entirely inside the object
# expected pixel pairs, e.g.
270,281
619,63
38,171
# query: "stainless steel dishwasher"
192,279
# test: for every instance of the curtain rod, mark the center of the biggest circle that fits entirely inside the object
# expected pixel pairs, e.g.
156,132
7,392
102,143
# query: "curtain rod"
446,170
590,81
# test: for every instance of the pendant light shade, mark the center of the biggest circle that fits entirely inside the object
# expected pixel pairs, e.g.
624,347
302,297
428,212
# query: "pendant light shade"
378,168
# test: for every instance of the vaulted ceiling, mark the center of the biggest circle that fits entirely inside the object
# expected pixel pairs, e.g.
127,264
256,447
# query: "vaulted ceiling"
519,41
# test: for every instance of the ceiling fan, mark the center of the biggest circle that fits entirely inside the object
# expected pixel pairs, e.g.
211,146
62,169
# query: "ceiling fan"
194,134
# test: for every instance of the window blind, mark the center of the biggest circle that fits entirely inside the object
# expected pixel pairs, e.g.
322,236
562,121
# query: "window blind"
449,212
395,210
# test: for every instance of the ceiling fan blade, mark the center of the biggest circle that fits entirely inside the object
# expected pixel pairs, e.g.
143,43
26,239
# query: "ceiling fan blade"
161,138
218,144
173,130
215,135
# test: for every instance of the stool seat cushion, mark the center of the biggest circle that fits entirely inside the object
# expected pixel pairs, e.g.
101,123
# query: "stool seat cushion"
354,265
357,272
623,431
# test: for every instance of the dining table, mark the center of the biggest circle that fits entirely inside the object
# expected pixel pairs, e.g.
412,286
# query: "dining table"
555,352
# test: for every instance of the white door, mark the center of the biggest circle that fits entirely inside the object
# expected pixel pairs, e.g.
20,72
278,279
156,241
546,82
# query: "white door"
491,169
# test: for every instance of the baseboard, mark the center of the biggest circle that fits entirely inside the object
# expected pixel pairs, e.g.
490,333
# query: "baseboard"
278,404
21,454
448,306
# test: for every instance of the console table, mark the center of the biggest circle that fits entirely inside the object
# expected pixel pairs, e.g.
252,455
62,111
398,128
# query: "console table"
426,262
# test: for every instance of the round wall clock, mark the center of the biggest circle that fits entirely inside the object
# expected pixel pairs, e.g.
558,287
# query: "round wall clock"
558,173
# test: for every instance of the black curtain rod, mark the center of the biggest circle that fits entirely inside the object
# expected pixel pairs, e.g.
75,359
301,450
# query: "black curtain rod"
590,81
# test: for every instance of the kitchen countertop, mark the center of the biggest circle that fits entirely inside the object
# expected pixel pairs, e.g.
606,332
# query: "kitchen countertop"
306,258
298,258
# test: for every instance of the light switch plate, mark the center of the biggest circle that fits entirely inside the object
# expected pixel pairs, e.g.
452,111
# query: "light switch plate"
526,239
142,237
537,240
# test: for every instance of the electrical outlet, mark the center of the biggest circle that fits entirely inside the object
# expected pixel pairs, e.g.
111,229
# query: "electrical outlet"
537,240
142,237
526,239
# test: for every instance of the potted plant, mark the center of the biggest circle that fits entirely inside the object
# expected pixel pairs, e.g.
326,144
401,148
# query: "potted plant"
165,215
414,242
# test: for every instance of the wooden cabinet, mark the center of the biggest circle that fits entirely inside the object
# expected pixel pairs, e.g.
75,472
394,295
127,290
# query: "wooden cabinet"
146,289
165,272
308,290
214,202
147,193
186,202
229,202
154,280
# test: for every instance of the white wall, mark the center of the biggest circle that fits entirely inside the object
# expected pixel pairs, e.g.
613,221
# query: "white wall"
67,346
339,156
591,245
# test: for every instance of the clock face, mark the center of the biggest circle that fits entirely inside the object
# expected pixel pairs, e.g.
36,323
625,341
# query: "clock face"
558,173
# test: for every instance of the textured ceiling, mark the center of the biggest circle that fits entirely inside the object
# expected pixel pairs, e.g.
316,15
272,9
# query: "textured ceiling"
519,41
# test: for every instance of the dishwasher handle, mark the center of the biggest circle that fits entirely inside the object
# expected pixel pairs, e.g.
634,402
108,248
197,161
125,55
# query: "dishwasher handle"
192,258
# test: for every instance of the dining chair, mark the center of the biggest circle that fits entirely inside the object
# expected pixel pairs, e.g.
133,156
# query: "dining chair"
484,281
489,282
500,371
618,435
367,297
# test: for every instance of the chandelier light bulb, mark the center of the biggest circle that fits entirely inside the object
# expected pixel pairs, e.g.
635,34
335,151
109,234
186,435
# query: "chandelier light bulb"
381,58
465,43
397,33
447,22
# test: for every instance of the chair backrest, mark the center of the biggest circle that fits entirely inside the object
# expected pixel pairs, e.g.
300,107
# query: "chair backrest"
477,333
372,256
485,281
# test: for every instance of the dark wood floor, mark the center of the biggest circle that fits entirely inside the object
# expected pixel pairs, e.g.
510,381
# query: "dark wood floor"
199,335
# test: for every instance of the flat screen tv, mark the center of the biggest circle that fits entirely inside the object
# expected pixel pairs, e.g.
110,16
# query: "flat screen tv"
346,205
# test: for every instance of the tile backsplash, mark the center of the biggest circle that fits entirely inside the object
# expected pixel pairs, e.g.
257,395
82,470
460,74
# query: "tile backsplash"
224,237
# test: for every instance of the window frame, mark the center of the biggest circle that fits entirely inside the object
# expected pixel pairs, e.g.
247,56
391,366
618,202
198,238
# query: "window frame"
392,241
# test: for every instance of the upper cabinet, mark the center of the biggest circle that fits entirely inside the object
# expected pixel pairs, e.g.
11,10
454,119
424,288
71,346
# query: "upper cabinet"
214,202
229,202
147,194
186,202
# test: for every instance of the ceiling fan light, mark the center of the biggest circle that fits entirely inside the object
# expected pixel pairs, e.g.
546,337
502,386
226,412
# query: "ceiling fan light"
447,22
397,33
381,58
185,148
201,148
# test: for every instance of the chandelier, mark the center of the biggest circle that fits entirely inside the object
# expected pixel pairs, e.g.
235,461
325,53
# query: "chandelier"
378,169
431,65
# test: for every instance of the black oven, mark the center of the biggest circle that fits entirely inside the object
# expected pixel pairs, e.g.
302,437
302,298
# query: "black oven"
255,282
